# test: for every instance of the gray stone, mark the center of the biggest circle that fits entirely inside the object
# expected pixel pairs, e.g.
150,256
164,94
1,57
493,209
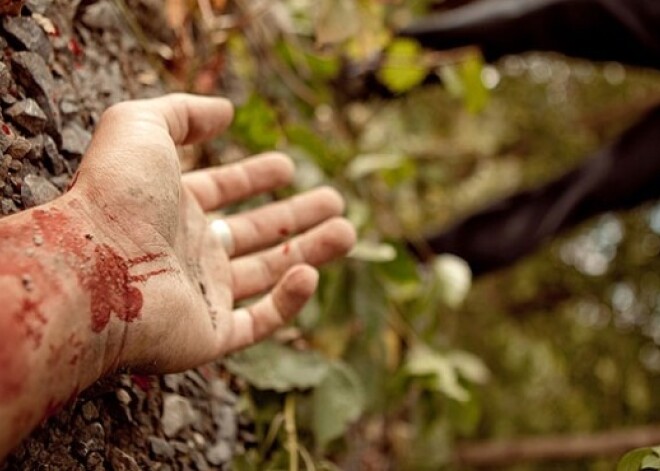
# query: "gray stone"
37,190
123,396
75,139
102,15
219,454
8,206
177,414
161,448
121,461
28,33
181,447
61,182
89,411
69,107
52,158
199,461
5,78
8,99
199,440
7,137
16,165
28,115
39,6
220,391
37,147
19,148
225,420
35,76
172,382
94,460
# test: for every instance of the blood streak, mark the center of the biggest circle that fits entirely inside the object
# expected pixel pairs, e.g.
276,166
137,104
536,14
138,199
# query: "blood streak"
22,321
142,382
286,249
284,232
150,257
73,182
100,270
109,285
146,276
75,48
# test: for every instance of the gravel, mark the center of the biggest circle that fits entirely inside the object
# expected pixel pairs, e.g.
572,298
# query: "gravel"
53,89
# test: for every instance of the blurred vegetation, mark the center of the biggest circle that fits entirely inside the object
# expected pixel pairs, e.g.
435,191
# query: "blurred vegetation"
393,363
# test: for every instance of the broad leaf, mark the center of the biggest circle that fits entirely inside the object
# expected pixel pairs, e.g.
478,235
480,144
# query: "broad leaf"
403,68
256,124
651,462
632,461
270,365
337,401
422,361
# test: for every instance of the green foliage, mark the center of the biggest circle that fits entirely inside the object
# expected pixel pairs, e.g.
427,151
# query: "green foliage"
394,356
403,67
269,365
465,81
643,459
337,402
256,125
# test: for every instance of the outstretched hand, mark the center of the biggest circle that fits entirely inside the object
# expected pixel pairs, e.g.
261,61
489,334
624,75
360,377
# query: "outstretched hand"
130,185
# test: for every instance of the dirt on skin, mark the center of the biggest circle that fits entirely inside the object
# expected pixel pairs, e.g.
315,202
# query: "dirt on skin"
62,62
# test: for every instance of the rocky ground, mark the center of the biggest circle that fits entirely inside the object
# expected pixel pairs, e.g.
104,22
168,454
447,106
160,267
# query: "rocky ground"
62,62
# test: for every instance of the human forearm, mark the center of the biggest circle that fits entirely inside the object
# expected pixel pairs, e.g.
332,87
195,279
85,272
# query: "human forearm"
51,342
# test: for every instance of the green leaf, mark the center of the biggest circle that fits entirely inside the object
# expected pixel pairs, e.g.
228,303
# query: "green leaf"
464,81
368,164
272,366
369,301
651,462
422,361
464,416
475,92
315,147
632,461
403,67
337,401
469,366
373,252
256,125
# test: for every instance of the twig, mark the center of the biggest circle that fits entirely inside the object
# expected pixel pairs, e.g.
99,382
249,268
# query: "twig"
307,458
273,430
505,453
291,432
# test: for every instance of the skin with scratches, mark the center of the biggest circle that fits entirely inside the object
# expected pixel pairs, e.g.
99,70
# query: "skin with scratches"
100,270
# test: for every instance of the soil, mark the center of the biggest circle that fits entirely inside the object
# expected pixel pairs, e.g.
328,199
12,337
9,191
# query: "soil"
62,62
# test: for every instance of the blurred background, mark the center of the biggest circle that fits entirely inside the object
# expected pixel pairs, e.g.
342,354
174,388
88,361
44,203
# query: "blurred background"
551,363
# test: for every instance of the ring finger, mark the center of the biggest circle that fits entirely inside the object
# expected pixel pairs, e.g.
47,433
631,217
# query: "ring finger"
254,274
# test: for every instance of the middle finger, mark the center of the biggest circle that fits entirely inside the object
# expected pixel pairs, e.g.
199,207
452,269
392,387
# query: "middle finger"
263,227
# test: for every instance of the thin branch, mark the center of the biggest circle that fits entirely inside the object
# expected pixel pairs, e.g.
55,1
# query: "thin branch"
556,448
